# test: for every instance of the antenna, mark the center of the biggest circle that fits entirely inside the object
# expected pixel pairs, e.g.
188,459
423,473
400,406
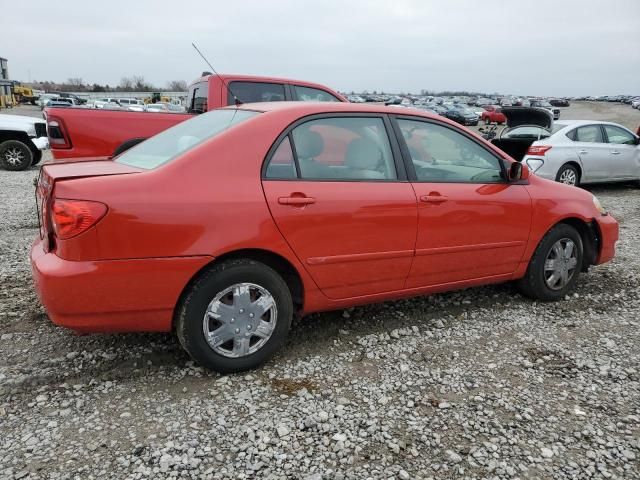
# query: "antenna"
236,99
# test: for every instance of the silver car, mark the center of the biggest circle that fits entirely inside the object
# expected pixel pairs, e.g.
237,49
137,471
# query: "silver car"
570,151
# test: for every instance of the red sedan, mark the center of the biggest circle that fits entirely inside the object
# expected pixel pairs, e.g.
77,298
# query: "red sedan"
225,226
492,114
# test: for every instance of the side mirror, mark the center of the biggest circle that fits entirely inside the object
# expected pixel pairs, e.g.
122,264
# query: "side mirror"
517,172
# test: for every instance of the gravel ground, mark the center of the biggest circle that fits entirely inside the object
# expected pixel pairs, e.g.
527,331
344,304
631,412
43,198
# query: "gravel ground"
475,384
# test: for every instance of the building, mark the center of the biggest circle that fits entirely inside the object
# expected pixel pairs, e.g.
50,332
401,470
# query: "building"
5,84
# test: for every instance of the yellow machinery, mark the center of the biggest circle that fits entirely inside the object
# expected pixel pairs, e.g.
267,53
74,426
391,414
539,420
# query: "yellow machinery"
24,94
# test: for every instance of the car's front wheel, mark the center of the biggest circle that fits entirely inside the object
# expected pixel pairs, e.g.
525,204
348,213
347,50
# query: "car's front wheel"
15,155
235,316
555,265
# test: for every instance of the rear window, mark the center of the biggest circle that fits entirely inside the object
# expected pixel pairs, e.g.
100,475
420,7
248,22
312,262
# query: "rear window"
252,92
171,143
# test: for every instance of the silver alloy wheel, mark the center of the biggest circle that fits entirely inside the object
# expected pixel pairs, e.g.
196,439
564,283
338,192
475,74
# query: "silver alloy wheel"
568,177
560,264
240,320
13,156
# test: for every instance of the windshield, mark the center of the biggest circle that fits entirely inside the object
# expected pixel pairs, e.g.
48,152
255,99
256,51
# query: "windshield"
171,143
526,131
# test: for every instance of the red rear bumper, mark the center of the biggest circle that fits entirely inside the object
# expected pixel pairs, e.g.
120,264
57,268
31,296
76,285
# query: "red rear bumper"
608,237
136,295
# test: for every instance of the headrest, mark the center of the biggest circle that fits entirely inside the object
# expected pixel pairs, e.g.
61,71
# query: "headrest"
309,144
363,154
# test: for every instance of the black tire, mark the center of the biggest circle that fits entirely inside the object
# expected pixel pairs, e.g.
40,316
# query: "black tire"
191,311
533,284
126,145
15,155
37,156
567,170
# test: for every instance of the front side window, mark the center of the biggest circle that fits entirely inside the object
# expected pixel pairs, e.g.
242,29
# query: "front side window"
169,144
340,148
441,154
589,134
308,94
619,136
252,92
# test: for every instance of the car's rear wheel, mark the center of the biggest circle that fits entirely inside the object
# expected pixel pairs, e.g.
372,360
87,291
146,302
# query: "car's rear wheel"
235,316
15,155
569,175
555,265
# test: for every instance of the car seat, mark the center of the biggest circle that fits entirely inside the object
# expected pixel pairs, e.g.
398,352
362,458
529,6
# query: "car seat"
363,157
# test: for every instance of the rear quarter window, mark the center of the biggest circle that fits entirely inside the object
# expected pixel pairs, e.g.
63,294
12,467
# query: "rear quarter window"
255,92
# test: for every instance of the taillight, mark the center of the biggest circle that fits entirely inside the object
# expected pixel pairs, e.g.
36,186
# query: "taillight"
538,150
58,138
72,217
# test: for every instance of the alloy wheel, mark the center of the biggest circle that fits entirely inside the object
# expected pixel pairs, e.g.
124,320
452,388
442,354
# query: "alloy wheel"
14,156
568,177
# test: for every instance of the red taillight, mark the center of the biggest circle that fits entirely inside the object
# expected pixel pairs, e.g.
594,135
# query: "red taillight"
538,150
72,217
58,138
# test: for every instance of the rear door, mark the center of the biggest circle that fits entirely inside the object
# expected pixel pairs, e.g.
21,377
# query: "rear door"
590,147
624,152
338,193
472,224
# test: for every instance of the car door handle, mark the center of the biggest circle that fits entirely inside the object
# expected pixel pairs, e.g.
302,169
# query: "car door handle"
615,152
583,151
434,198
296,201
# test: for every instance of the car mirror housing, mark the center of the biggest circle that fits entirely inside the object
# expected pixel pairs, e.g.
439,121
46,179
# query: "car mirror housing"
518,172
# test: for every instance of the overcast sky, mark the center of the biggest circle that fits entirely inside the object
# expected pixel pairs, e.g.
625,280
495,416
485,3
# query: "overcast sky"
535,47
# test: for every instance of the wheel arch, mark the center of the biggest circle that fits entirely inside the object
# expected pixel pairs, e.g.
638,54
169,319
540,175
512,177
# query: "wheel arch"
274,260
574,163
590,235
15,135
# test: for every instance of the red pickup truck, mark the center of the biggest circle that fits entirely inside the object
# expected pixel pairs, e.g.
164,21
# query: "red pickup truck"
92,133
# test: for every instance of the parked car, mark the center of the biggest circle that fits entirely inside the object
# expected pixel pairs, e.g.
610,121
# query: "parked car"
559,102
333,214
76,99
59,102
22,140
158,107
91,133
493,114
128,102
544,104
462,115
574,152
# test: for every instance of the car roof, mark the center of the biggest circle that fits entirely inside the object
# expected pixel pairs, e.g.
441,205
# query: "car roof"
577,123
311,108
228,77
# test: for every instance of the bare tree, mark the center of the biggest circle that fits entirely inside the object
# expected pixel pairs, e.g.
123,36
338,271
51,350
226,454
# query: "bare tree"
177,86
139,84
126,84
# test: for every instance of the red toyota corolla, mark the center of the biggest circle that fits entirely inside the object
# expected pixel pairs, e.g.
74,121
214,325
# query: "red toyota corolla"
225,226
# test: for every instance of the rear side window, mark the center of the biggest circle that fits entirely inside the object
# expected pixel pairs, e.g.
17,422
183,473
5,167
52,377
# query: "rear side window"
619,136
308,94
171,143
282,163
197,97
589,134
252,92
341,148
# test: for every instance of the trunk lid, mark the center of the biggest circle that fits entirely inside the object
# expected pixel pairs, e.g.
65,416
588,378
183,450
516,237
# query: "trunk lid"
82,169
517,116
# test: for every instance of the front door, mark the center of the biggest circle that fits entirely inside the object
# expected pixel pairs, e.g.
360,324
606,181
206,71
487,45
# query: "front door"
339,202
471,223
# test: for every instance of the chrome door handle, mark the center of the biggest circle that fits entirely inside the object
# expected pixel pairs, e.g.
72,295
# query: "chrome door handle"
615,152
583,151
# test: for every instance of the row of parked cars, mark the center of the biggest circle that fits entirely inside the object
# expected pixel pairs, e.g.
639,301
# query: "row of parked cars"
110,103
633,100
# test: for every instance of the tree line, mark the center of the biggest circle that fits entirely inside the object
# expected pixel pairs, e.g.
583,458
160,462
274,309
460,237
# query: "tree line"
134,83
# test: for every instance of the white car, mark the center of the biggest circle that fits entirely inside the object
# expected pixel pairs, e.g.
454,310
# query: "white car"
22,140
573,152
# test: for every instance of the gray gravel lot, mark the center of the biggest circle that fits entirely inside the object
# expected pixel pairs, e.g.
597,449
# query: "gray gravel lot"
480,383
